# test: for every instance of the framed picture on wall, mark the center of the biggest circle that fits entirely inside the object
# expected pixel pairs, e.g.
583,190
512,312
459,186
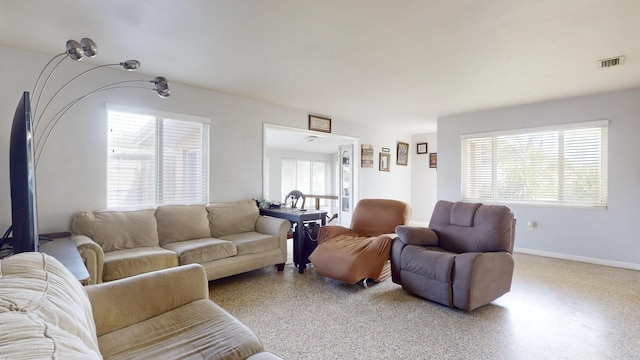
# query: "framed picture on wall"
385,159
366,158
318,123
433,160
421,148
403,153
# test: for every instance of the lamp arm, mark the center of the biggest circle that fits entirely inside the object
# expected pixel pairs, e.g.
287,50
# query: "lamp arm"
37,120
35,88
56,118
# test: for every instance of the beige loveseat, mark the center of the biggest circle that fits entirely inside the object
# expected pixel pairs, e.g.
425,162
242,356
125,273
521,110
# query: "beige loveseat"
46,314
226,239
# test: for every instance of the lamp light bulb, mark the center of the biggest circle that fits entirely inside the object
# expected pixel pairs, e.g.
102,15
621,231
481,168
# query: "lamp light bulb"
130,65
89,47
74,50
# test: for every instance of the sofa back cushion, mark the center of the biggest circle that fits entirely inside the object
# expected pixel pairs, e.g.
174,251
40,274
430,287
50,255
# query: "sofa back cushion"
232,218
44,311
473,227
182,222
116,230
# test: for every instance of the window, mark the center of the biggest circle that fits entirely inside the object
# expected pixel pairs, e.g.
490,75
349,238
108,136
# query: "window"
156,158
564,165
308,176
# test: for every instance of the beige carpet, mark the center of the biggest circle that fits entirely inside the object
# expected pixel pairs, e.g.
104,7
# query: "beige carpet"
556,310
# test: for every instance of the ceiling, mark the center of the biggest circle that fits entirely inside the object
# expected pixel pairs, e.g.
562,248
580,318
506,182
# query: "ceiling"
284,138
376,62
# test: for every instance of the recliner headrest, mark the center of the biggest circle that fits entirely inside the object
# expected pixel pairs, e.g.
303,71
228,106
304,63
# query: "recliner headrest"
462,213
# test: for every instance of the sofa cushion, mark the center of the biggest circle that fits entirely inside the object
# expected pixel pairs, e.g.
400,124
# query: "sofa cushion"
116,230
232,218
171,336
120,264
252,242
44,311
199,251
182,222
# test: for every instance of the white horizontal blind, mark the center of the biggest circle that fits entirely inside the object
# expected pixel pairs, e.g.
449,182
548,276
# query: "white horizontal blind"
557,166
155,159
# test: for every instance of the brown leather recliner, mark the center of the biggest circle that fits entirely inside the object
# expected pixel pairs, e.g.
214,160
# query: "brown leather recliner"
463,260
361,252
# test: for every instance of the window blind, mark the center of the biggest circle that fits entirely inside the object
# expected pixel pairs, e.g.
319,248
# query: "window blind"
564,165
156,159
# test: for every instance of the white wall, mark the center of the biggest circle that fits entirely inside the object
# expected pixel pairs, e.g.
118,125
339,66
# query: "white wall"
424,180
603,236
72,173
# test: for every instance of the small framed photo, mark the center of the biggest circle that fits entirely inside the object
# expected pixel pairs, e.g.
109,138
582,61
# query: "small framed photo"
366,158
403,153
318,123
385,149
421,148
385,159
433,160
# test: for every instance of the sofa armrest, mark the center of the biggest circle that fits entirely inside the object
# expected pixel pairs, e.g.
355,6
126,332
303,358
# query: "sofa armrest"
415,235
274,226
120,303
92,255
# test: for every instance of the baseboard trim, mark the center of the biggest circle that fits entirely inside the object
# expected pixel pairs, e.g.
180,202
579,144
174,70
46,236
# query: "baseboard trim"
584,259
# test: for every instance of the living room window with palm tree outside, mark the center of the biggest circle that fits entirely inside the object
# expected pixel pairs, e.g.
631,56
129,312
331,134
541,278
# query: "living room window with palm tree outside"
560,166
156,158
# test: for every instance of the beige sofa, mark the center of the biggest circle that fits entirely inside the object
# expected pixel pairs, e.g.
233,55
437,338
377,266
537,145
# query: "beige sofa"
226,239
46,314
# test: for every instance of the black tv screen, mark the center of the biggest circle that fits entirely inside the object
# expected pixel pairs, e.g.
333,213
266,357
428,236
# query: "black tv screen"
23,182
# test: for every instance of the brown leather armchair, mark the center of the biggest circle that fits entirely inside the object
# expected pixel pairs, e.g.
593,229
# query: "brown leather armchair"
362,251
463,260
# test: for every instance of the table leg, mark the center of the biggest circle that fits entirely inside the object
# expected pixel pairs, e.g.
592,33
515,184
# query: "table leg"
298,246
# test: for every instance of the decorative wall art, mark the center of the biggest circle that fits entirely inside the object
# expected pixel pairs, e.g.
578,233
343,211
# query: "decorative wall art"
318,123
384,149
421,148
403,153
433,160
385,160
366,158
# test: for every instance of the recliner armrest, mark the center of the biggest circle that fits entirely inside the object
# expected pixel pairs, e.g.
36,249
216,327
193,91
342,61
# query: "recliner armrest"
330,231
481,278
416,235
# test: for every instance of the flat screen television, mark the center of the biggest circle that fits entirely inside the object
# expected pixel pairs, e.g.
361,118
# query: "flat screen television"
22,179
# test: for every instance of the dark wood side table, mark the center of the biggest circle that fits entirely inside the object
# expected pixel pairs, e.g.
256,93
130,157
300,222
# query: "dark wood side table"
299,217
64,250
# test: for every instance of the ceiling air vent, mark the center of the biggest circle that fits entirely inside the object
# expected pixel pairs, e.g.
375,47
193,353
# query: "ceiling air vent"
611,62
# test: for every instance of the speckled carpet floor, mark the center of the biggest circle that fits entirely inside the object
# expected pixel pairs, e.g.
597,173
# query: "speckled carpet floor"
556,309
